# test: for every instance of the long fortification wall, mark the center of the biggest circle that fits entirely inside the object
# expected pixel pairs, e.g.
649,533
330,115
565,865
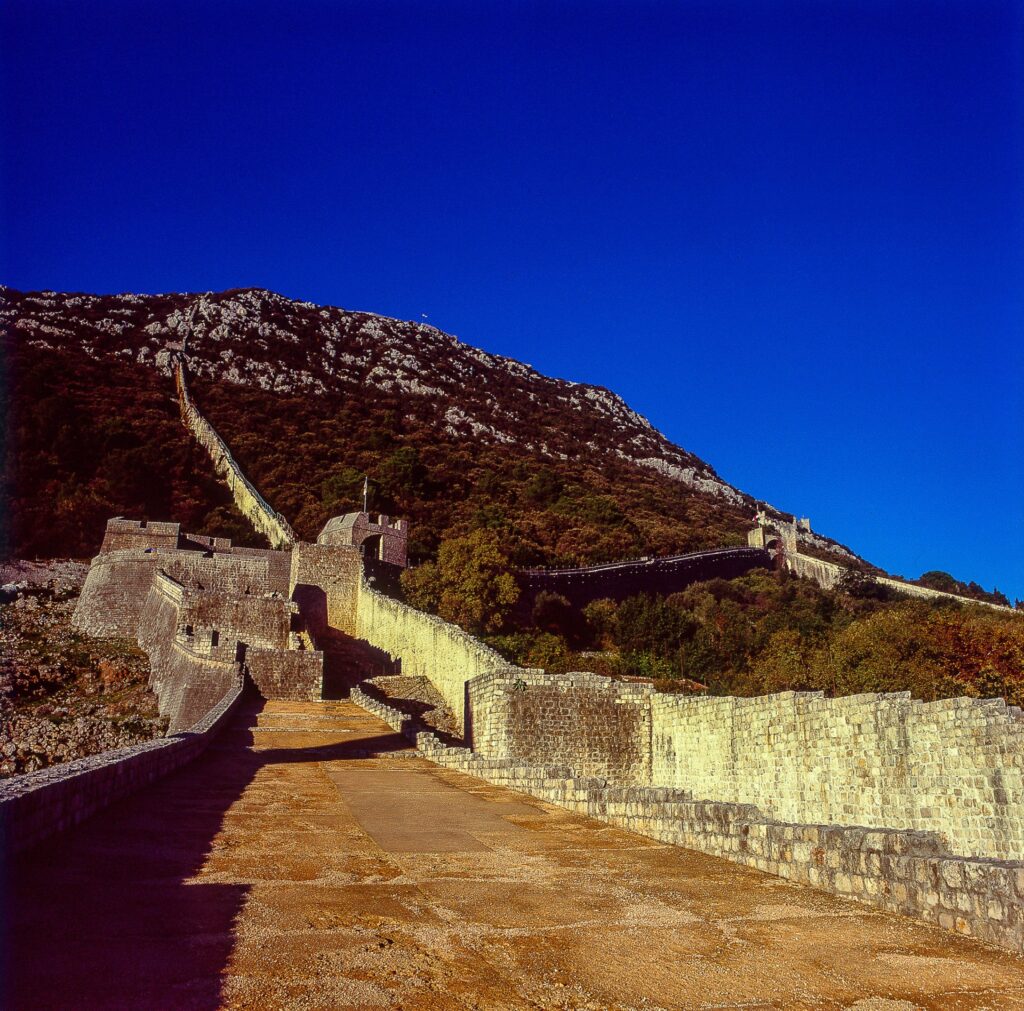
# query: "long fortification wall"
954,767
618,580
828,575
907,872
427,645
250,502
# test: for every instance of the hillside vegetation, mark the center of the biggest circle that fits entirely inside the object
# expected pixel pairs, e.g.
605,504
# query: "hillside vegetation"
771,631
310,399
495,465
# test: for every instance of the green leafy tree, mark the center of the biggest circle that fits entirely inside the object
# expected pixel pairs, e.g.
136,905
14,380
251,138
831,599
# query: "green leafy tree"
470,584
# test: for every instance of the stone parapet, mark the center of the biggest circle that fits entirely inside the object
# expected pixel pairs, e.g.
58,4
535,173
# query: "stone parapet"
40,804
599,726
955,766
428,646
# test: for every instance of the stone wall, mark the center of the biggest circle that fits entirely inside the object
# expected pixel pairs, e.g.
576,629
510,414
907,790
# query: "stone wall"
906,872
40,804
291,674
197,615
324,581
598,726
955,766
266,521
138,535
825,574
186,681
427,645
257,621
828,575
117,583
114,592
618,580
279,566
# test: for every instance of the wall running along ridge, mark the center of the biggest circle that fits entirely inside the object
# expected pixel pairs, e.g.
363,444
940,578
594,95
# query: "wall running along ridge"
906,872
250,502
828,575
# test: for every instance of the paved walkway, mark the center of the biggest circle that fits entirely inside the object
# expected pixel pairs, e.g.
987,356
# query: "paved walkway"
292,868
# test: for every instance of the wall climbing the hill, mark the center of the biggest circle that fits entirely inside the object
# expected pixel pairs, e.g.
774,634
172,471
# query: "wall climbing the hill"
426,644
618,580
266,521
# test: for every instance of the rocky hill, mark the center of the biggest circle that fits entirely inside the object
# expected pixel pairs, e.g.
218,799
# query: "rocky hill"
312,397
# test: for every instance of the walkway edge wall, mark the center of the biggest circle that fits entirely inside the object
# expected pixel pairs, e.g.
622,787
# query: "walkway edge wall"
900,871
41,804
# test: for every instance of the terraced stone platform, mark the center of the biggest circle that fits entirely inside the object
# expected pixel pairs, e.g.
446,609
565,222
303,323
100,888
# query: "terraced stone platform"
311,860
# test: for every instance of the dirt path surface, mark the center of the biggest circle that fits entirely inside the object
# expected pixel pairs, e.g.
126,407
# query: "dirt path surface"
310,860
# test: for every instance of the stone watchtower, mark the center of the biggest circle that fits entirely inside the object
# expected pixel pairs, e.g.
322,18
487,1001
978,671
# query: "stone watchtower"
385,541
776,534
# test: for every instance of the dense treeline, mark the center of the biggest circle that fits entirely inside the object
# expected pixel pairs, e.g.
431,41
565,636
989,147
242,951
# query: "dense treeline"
308,457
770,631
86,440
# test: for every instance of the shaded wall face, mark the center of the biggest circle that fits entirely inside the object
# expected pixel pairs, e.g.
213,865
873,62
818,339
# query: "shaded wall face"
114,594
255,621
187,685
295,674
324,583
132,535
664,576
595,726
229,574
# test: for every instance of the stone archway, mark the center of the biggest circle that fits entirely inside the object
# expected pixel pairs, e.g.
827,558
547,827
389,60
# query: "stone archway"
372,546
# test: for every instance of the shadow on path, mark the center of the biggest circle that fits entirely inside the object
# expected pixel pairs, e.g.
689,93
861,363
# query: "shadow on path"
105,916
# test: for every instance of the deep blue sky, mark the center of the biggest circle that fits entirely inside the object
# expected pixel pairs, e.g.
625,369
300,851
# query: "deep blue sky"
789,234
